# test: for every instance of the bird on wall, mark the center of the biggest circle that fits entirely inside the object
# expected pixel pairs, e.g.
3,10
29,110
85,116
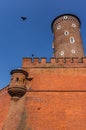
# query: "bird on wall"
23,18
32,55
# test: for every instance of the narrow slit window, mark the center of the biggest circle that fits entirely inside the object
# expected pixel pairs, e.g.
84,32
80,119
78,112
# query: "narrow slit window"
53,45
72,40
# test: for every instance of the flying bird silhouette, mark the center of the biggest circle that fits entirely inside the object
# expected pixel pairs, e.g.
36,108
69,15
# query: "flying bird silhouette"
23,18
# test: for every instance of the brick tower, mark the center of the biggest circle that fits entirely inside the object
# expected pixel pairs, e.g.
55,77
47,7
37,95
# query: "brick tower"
67,40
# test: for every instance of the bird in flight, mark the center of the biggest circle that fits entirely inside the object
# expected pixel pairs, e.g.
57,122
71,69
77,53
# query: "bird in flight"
23,18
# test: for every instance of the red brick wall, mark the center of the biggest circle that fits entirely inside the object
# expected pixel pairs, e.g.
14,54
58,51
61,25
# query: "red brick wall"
56,79
16,117
56,110
4,106
55,98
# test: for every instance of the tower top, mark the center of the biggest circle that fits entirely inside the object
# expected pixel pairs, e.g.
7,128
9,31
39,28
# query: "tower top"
63,16
67,41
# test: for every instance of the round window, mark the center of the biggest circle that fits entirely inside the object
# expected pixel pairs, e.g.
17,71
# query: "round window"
73,25
66,33
59,26
62,53
73,51
65,17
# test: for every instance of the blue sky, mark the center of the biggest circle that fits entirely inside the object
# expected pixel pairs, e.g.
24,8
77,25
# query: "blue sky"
20,39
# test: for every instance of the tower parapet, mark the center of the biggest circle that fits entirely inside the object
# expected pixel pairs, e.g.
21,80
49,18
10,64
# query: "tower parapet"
67,40
17,87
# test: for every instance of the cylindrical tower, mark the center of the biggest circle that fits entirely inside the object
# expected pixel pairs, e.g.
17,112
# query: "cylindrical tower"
67,40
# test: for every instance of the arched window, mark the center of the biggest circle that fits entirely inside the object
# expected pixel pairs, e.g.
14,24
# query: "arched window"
17,79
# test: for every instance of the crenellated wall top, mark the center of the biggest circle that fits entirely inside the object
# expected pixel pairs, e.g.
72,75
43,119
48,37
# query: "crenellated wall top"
54,62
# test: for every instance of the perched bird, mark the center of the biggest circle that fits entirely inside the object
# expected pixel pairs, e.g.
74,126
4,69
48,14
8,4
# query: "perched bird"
32,55
23,18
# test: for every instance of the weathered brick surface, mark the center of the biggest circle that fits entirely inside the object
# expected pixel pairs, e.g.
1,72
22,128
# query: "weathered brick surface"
56,79
55,98
56,110
4,106
16,116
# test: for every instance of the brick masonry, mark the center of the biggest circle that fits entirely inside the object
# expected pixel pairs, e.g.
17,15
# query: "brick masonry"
64,28
55,99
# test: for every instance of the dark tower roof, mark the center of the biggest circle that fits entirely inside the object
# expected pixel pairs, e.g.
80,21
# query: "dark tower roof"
64,15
